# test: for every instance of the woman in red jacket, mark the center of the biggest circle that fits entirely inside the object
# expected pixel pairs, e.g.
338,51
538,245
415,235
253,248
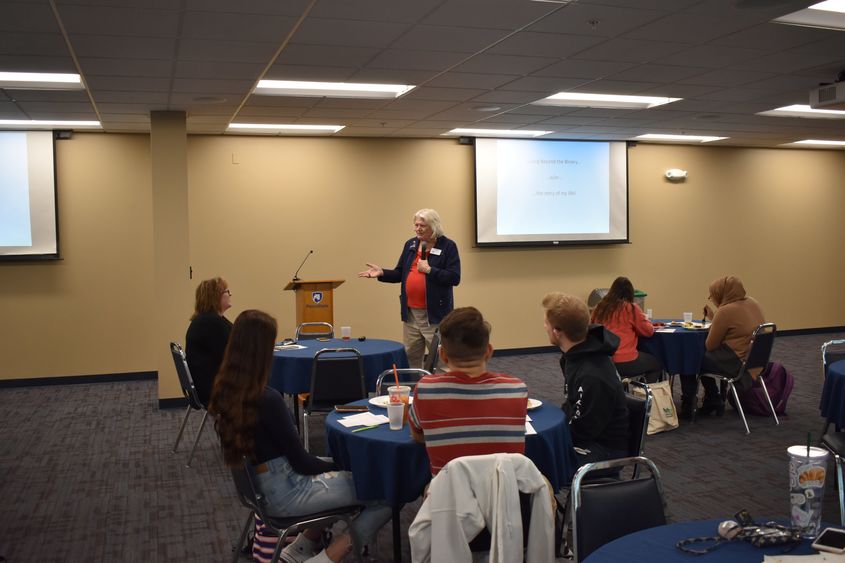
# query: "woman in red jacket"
624,318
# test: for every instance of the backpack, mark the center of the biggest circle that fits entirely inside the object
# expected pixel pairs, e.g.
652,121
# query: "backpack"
779,383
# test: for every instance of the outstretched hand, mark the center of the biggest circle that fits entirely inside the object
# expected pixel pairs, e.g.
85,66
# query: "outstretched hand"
372,271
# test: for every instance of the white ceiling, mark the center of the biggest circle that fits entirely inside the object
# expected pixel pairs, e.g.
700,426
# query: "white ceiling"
204,57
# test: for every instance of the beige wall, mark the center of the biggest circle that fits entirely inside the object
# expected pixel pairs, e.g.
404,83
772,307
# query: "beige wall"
258,204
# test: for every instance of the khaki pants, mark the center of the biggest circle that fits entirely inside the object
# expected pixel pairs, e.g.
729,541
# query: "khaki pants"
417,335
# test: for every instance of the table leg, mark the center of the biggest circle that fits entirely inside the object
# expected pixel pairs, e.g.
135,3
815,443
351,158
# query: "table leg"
397,535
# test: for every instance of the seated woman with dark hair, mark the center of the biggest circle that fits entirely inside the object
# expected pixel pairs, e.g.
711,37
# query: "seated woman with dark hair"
208,334
253,420
624,318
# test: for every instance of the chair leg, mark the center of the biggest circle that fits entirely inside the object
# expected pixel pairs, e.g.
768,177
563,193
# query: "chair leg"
838,460
769,399
825,426
249,521
280,545
739,407
197,439
305,441
181,429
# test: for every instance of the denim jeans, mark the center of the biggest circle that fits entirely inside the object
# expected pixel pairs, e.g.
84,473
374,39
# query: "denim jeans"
290,494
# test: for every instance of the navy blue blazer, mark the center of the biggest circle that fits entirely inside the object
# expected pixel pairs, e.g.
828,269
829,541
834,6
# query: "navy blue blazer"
445,274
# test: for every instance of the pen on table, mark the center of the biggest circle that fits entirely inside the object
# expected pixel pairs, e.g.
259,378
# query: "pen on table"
366,428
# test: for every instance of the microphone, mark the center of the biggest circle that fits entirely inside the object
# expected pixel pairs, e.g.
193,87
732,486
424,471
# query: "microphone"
296,275
423,248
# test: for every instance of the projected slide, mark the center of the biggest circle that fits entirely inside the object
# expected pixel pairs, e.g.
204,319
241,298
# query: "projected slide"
542,190
28,218
14,191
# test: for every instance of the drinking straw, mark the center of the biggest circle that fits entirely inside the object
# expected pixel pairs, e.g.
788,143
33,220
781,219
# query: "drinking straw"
396,375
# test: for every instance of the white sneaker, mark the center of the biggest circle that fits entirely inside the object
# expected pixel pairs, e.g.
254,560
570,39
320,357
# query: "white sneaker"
301,549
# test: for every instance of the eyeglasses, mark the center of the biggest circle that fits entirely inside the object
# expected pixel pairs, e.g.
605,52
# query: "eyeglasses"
227,291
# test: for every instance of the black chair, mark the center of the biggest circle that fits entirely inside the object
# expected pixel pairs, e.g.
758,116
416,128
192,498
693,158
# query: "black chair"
834,442
190,393
639,412
246,484
310,331
759,352
337,378
433,353
832,351
602,512
407,376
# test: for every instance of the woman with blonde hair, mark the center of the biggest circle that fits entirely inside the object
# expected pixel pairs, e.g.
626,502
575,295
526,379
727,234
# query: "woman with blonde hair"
208,334
253,421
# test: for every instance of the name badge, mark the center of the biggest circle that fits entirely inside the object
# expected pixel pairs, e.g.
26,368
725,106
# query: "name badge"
435,251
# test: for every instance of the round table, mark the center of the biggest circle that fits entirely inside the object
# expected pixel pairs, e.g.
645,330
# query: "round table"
657,545
832,404
681,350
291,372
389,465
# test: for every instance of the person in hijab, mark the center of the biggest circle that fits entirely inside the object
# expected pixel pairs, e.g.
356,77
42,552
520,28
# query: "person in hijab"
734,320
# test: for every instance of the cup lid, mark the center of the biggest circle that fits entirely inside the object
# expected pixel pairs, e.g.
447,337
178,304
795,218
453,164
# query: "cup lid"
801,451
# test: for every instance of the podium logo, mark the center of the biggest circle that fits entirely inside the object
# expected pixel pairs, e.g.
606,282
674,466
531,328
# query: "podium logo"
316,296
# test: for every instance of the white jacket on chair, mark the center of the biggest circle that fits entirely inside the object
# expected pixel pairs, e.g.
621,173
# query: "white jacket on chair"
472,492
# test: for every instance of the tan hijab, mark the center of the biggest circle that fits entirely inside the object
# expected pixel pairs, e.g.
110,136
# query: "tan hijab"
726,290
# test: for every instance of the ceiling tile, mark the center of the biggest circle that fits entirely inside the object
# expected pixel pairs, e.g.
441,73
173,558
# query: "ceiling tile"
504,64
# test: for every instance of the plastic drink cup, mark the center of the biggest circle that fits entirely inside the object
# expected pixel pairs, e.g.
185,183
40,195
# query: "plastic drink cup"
806,487
648,314
401,394
346,332
687,318
396,415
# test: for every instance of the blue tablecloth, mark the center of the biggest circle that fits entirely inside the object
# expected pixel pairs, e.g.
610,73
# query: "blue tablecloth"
680,351
657,545
388,464
832,405
291,371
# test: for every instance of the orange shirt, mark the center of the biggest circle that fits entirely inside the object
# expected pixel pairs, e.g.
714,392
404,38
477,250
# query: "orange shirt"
415,286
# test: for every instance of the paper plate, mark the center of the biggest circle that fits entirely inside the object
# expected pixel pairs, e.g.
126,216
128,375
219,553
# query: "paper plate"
382,400
534,403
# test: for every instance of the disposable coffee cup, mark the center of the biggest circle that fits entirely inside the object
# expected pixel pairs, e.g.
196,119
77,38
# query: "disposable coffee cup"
396,415
687,318
400,395
346,332
807,470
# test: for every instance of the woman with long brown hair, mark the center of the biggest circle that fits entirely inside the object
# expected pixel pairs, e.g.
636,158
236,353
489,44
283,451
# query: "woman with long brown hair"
624,318
208,334
253,420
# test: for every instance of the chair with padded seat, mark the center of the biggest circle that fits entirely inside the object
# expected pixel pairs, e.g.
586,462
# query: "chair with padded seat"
337,378
310,331
190,393
406,376
832,351
604,511
759,352
246,484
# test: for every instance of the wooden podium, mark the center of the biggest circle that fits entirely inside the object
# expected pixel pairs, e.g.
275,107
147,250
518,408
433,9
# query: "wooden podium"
314,300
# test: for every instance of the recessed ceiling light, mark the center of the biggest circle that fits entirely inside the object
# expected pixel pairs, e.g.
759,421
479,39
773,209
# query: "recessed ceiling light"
678,138
209,100
46,124
40,81
825,15
798,110
271,128
829,6
608,101
486,109
820,143
330,89
497,132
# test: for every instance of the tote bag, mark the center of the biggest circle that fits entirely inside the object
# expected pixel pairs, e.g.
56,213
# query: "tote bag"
664,416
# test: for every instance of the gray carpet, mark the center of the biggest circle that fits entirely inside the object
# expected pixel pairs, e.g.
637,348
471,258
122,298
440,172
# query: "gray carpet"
86,472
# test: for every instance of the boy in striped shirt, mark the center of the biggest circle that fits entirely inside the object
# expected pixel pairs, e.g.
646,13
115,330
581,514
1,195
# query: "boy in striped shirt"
468,410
